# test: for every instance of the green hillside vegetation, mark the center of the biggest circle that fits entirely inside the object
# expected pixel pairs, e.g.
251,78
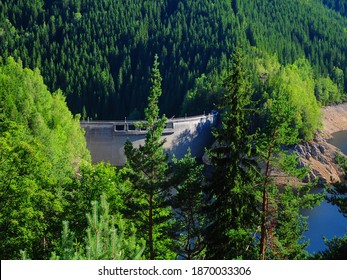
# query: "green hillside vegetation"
267,66
99,52
47,186
339,6
26,101
41,146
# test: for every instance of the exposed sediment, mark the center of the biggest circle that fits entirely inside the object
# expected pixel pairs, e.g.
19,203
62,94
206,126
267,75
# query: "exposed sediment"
334,119
318,154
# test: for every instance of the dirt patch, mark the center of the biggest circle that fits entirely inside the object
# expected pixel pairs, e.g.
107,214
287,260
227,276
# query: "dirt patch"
334,119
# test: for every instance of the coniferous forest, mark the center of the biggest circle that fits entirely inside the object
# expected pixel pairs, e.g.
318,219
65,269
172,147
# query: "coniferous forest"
267,67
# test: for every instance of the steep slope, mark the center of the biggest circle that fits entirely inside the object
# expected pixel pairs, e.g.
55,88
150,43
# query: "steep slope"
339,6
99,52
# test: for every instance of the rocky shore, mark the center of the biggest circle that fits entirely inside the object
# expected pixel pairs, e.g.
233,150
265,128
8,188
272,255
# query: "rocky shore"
318,154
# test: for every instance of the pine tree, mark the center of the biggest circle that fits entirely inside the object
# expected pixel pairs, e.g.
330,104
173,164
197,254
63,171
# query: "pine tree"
282,226
106,238
279,113
188,203
232,209
148,170
105,241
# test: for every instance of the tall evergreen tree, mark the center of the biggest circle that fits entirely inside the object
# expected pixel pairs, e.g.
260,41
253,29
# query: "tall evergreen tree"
277,131
282,226
232,210
148,171
188,203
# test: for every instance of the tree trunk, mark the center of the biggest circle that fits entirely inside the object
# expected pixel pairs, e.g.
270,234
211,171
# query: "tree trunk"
265,203
150,232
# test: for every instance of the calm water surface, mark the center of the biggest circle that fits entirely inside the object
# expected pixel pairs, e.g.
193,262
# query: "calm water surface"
323,220
326,220
339,140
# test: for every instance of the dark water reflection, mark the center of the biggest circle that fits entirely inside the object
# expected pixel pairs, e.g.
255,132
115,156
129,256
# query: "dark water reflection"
323,220
339,140
326,220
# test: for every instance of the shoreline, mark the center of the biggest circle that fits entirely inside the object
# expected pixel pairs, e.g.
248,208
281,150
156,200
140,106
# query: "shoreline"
318,154
334,119
322,163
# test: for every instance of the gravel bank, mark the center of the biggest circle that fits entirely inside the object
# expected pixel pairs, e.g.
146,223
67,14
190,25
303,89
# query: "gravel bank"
334,119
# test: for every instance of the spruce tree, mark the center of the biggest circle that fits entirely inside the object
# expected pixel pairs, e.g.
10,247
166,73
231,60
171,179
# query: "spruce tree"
232,211
188,204
148,172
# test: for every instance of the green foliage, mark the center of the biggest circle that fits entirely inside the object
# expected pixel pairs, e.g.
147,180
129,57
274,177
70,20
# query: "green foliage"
284,120
288,163
285,223
24,99
339,6
106,238
337,247
105,72
205,95
28,200
44,172
231,191
337,250
88,184
148,172
337,193
327,92
299,82
286,96
41,146
188,204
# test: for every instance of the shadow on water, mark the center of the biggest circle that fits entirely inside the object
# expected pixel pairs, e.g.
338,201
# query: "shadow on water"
325,219
339,140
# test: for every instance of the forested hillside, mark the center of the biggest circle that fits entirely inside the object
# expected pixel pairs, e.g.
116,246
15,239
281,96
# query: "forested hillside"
100,52
338,5
266,66
41,146
153,208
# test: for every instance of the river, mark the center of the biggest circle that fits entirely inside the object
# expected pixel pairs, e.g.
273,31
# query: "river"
325,219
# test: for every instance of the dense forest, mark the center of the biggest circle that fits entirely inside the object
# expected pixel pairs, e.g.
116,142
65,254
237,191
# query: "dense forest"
99,53
266,66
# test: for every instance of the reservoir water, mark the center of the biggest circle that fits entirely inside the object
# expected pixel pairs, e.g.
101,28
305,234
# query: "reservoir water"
339,140
325,219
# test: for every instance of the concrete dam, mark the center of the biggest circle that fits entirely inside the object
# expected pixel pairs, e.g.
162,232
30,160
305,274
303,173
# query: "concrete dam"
106,139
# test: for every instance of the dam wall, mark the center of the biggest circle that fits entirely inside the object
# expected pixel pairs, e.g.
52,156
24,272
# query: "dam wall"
106,139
